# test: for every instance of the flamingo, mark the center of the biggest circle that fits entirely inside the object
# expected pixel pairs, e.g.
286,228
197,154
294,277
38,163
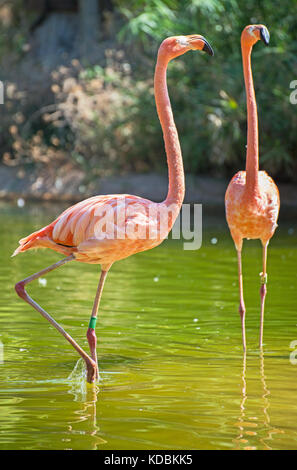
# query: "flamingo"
105,229
252,198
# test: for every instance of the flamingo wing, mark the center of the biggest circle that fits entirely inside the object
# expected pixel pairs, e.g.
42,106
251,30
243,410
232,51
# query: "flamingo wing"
101,229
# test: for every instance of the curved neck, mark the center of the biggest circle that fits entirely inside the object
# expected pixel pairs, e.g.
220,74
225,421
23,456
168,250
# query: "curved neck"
252,155
176,189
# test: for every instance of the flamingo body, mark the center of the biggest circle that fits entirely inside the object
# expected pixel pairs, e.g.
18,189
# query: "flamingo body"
103,229
252,216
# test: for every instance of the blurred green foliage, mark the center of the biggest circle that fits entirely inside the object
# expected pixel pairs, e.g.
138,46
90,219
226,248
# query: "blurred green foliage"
119,130
207,94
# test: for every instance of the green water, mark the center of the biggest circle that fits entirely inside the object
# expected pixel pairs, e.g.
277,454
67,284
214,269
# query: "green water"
173,375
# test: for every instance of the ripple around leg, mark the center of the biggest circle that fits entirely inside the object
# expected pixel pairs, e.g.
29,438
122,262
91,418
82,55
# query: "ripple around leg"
78,380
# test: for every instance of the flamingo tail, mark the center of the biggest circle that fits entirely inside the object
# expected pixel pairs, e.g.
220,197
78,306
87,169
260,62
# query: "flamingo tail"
34,240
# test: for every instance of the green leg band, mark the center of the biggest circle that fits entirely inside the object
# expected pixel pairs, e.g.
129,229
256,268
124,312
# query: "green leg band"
263,278
92,323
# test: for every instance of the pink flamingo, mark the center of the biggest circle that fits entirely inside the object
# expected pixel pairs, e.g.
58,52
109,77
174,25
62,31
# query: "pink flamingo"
252,198
84,233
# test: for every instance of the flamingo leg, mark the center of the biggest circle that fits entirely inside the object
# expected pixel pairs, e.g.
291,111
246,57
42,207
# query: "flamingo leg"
91,335
263,292
21,291
241,299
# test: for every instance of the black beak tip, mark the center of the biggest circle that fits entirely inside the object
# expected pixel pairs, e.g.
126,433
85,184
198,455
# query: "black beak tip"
265,35
207,48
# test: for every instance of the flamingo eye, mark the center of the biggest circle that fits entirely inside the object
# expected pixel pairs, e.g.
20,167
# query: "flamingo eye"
251,31
182,41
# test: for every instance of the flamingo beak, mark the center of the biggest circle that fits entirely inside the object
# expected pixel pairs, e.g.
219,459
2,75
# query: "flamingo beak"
207,47
196,41
264,35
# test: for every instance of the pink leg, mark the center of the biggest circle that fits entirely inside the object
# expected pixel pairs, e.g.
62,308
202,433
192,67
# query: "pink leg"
263,292
241,300
91,335
21,291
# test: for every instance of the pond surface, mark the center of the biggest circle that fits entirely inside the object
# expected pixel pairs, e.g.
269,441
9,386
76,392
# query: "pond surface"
173,375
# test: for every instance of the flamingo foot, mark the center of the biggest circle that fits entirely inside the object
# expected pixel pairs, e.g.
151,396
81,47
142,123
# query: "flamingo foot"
241,310
92,371
92,340
263,292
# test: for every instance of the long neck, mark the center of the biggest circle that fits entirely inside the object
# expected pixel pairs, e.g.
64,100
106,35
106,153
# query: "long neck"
252,155
176,189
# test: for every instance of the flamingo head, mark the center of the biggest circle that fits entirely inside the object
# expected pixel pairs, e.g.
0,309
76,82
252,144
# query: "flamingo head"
253,33
177,45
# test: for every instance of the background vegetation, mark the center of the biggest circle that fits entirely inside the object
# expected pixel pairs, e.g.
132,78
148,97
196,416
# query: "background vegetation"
98,112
